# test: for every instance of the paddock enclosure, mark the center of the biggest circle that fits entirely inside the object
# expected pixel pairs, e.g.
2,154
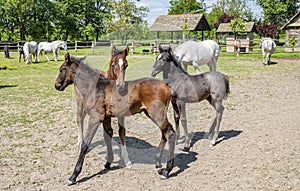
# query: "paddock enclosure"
259,130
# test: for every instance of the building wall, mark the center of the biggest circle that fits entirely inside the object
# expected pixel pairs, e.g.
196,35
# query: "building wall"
290,33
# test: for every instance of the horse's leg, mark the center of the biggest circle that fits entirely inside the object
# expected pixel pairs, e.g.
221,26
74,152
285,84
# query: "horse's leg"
108,133
268,58
35,57
47,56
169,135
157,113
80,115
214,129
212,64
184,125
196,67
93,124
55,55
263,56
176,111
122,135
185,65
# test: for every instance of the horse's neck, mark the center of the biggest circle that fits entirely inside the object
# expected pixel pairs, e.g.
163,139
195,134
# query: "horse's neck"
86,80
174,75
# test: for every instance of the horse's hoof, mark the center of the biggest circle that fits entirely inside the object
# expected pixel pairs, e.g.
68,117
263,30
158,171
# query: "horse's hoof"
186,149
71,182
128,164
164,174
107,166
158,166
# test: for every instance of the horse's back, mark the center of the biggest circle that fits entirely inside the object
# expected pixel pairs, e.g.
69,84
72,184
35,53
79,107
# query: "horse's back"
30,47
268,45
198,51
218,82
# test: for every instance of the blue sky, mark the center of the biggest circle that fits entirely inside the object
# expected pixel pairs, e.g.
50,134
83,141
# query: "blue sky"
160,7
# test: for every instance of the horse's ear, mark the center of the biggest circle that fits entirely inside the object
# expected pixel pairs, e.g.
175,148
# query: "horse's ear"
170,51
113,50
82,59
160,49
67,58
126,50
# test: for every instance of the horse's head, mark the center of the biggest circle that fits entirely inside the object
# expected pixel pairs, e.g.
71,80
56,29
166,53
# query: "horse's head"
64,46
163,60
67,71
117,66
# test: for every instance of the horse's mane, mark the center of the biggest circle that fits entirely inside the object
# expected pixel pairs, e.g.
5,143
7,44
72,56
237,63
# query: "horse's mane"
178,65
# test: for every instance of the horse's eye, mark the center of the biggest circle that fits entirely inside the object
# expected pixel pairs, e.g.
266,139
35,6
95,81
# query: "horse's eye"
61,69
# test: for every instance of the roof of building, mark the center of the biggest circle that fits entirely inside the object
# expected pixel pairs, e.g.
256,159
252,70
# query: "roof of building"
225,28
293,22
176,23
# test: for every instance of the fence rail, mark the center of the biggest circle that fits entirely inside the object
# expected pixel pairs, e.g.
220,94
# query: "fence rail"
96,45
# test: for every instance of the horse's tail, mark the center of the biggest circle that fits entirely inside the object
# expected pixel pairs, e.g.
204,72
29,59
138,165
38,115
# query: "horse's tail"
226,81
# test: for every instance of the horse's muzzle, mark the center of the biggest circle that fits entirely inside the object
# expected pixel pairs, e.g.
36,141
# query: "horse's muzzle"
59,87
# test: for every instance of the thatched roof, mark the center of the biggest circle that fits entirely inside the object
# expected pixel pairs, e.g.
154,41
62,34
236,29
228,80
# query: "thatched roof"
293,22
174,23
225,28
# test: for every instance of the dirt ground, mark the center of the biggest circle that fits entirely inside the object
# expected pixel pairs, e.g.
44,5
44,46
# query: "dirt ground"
260,149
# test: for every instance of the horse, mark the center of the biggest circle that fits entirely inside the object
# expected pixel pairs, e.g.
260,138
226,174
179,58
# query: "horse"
116,71
51,47
210,86
103,100
6,51
30,48
268,46
21,53
197,54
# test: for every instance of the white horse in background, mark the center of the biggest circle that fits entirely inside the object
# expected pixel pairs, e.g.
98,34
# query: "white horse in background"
197,54
51,47
268,46
30,49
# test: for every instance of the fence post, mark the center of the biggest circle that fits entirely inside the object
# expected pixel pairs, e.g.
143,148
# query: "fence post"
132,47
75,46
93,45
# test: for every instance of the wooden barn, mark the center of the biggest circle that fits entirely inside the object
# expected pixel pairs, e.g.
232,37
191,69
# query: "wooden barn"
177,23
245,42
292,29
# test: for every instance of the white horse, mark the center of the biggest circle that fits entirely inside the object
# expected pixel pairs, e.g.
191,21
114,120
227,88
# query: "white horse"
30,48
268,46
51,47
197,54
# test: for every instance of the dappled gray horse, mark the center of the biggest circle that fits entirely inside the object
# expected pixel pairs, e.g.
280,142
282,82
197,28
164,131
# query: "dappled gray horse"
197,54
212,86
267,46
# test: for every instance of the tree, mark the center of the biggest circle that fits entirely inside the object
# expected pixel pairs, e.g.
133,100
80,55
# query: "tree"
224,18
185,6
127,16
266,30
236,8
278,11
237,27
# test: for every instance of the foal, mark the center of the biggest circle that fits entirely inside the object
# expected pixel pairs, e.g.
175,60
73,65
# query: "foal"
116,71
103,100
210,86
